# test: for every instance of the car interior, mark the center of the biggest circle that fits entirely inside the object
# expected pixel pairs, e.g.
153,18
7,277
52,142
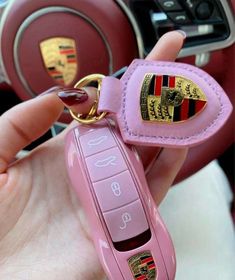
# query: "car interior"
104,36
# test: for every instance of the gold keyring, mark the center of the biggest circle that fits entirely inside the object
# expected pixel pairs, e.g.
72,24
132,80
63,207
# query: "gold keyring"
92,116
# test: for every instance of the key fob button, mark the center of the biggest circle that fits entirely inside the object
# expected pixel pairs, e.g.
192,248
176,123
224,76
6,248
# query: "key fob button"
116,191
126,222
105,164
97,141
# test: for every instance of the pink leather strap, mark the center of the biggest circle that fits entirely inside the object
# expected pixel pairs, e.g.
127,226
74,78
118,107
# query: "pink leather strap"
112,101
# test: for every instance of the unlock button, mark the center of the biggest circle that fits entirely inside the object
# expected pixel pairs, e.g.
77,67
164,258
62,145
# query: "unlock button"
126,222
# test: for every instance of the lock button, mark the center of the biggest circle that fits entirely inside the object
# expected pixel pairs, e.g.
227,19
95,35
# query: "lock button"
116,191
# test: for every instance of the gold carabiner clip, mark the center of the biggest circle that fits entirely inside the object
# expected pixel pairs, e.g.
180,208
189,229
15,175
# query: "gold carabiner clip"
92,116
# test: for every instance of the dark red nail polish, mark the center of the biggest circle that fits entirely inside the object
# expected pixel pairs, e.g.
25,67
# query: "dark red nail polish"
73,96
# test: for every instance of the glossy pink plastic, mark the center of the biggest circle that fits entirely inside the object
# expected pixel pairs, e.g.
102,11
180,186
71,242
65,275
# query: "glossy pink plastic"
109,179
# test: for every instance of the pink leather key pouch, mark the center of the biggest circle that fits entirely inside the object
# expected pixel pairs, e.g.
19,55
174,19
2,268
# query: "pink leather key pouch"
165,104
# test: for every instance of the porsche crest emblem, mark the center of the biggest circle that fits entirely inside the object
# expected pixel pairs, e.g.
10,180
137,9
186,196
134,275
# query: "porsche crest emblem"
142,266
170,98
60,59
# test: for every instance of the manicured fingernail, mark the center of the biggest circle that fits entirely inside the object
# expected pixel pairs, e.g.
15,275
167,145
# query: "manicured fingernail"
51,90
182,33
73,96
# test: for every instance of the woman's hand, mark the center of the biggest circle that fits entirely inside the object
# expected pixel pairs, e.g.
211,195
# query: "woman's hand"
43,234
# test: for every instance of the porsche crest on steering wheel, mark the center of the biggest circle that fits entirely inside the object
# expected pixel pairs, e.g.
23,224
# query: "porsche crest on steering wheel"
60,59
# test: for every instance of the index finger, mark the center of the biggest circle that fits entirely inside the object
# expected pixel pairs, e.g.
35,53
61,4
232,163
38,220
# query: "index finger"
166,49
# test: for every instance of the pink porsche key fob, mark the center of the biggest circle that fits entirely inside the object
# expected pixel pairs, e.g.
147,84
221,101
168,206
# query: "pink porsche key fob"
162,104
129,235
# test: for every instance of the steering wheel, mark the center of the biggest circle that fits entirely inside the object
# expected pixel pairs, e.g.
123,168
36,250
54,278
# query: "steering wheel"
45,43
